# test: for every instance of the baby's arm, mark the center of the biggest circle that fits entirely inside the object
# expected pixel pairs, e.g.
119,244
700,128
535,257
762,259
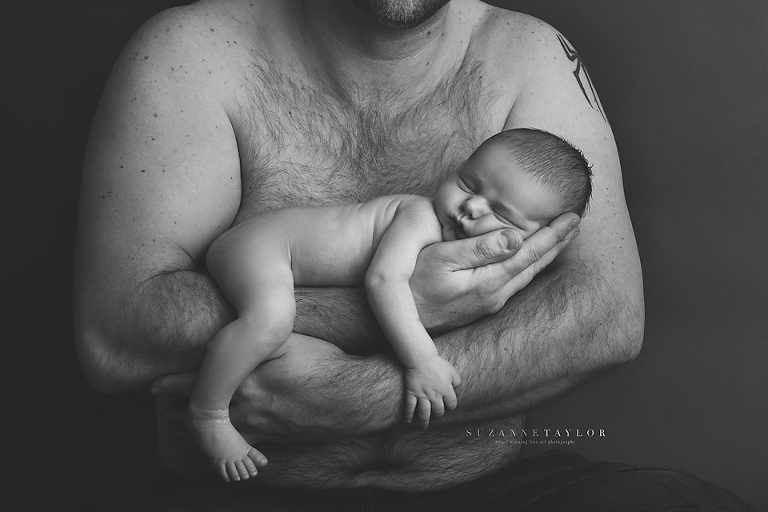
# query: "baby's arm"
429,379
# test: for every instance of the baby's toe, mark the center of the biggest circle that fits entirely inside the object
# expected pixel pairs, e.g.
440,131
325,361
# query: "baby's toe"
241,470
250,466
221,467
257,457
232,471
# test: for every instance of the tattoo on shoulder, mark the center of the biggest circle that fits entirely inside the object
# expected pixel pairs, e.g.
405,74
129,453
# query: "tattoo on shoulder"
582,77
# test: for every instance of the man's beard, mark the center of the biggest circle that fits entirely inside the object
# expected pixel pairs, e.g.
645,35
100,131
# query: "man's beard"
399,14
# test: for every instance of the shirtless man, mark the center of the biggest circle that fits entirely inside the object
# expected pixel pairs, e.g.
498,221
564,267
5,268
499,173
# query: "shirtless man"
222,110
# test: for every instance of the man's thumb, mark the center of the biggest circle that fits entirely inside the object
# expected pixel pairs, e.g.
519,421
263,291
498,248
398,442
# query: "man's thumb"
491,247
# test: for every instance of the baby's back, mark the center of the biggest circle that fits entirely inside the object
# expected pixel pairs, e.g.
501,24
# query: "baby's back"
333,245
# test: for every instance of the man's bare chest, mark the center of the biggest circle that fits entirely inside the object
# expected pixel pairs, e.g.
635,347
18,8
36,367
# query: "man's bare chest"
304,143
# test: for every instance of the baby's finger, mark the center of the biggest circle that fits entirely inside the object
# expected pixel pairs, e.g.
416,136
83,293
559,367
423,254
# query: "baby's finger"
450,400
438,408
425,410
455,378
410,406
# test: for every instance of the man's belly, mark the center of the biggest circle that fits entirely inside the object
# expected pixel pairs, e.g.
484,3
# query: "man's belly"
407,460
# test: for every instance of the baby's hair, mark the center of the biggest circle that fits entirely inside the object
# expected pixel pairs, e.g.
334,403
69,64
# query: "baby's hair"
553,161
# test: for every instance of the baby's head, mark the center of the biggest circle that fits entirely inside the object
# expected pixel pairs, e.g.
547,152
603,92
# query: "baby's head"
521,179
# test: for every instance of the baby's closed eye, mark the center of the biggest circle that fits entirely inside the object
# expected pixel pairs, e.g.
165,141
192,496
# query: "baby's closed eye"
465,186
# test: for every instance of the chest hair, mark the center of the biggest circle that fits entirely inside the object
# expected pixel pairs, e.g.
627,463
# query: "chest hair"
305,143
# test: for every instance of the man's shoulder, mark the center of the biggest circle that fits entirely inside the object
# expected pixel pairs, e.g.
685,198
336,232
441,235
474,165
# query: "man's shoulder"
506,28
515,42
194,31
202,48
208,36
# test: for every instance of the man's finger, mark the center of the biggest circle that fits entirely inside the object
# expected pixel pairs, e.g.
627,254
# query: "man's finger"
481,250
180,384
541,243
537,264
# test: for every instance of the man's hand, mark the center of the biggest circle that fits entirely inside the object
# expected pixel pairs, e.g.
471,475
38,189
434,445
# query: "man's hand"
457,282
294,397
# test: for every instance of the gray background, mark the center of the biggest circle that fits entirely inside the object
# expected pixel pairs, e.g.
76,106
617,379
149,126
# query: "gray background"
683,83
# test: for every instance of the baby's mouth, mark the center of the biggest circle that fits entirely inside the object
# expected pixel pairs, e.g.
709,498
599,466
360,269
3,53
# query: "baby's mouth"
459,226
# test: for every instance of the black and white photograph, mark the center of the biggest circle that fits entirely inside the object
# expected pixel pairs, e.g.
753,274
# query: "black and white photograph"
386,255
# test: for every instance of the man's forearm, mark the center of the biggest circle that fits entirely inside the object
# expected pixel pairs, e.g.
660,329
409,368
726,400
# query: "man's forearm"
161,327
565,327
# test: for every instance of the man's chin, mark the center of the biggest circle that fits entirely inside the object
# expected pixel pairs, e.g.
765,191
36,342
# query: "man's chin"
398,14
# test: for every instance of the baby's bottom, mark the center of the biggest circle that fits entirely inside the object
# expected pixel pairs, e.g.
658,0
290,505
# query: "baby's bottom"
263,297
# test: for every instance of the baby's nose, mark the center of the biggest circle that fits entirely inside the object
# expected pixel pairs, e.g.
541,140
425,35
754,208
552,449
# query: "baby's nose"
473,207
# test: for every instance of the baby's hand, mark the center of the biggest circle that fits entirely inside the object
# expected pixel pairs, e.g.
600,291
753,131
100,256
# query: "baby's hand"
429,388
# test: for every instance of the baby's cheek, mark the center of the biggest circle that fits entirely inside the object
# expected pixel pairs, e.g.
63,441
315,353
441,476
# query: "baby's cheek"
449,234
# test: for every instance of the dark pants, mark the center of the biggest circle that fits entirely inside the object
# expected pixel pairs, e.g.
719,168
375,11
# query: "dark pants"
550,482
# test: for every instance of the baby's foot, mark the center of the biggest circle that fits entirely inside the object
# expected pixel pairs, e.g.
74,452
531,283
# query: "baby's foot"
232,456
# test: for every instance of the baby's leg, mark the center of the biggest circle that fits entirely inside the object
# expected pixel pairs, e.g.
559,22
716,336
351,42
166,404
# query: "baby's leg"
232,355
266,307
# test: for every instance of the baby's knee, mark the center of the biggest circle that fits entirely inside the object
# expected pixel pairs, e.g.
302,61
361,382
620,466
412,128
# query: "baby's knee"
278,328
273,319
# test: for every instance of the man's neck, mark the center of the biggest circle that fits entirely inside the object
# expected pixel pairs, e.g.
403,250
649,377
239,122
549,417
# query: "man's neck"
360,54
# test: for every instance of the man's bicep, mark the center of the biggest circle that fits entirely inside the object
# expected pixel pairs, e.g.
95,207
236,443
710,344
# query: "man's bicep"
162,161
160,178
561,98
